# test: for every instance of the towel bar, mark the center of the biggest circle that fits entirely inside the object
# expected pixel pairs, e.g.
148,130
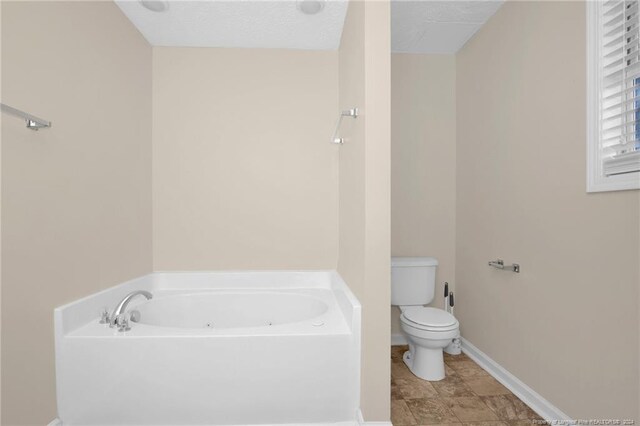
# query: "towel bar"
499,263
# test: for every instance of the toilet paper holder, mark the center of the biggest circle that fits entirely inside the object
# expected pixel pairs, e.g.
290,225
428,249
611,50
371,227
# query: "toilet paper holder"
499,263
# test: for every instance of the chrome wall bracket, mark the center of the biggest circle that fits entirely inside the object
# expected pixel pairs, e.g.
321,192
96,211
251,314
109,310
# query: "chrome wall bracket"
499,263
353,112
33,122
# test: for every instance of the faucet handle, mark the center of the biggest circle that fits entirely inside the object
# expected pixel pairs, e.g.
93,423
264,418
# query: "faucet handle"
122,322
104,316
134,316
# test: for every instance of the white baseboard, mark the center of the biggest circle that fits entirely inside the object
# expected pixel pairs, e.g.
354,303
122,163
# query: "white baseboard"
398,339
362,422
358,422
530,397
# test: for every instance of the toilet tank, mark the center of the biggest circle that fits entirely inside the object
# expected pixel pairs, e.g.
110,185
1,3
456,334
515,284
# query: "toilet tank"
413,280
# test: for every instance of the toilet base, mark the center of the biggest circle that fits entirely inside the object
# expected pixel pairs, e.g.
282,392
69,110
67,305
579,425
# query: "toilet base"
454,348
425,363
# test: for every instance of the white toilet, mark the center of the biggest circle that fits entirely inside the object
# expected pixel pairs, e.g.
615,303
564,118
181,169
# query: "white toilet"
428,330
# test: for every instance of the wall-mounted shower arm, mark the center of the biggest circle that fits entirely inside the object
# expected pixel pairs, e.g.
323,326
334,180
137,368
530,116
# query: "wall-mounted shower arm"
353,112
33,122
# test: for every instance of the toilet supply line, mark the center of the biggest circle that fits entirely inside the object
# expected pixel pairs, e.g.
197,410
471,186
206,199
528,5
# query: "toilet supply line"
446,296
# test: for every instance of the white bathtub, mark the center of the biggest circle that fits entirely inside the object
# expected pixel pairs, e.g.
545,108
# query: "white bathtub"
226,348
222,310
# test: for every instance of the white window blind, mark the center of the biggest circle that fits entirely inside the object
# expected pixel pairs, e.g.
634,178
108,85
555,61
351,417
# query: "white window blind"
619,97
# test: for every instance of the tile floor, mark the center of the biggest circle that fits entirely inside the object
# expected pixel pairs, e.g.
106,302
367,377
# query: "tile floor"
468,395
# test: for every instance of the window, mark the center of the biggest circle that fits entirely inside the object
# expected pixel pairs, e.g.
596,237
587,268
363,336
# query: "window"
613,96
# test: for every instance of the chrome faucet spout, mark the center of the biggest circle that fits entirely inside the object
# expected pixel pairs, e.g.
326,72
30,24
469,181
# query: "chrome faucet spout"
122,306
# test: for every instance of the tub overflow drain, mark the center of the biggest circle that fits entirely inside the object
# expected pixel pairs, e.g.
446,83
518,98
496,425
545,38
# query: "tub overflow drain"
208,325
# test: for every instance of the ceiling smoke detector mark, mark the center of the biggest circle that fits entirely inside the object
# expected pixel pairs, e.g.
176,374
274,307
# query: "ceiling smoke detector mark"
310,7
155,5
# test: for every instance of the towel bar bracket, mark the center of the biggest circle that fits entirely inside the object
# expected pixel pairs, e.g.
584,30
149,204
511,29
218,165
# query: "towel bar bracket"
32,122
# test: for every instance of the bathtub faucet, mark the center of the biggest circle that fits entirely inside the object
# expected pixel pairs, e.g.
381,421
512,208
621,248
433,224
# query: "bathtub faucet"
117,317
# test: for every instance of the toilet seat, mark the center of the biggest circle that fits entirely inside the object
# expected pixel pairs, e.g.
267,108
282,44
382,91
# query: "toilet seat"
431,319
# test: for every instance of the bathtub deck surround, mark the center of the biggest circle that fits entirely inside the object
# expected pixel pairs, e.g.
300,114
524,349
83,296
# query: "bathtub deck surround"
213,348
467,395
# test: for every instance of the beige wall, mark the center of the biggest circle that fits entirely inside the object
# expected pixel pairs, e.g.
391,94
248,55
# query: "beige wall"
364,214
76,204
568,324
244,176
423,163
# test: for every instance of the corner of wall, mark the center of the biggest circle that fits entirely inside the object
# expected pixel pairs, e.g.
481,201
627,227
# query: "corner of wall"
365,190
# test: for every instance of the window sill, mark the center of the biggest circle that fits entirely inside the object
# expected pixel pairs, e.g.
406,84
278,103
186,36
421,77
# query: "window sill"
626,182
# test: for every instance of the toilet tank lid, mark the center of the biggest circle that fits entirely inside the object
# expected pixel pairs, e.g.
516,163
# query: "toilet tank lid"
414,261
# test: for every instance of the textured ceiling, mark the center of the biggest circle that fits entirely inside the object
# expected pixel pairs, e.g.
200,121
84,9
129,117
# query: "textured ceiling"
259,24
422,26
437,26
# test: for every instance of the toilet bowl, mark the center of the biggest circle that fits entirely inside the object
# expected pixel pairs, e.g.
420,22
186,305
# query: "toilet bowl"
429,331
